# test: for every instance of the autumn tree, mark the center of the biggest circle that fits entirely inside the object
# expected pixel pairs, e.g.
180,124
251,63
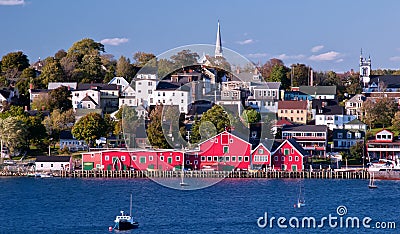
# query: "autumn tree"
142,59
13,133
37,133
396,121
58,121
89,128
267,67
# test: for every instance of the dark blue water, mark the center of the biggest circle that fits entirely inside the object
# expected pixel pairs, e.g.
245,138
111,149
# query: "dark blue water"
58,205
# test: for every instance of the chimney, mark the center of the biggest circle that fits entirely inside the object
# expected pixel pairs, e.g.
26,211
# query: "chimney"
30,86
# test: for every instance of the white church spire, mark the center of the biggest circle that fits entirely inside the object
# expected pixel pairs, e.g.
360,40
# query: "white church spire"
218,44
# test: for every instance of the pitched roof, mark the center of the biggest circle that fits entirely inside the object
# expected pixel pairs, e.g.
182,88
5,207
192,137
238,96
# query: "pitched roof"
66,134
86,86
53,158
391,81
298,147
355,122
54,85
269,85
301,105
318,90
88,99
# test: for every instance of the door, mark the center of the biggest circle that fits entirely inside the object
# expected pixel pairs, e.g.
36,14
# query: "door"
294,167
283,167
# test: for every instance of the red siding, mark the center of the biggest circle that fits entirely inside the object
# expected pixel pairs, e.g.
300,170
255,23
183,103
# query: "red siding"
289,154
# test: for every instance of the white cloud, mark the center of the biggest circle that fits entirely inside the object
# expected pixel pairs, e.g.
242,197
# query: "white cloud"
114,41
395,58
285,56
339,60
12,2
317,48
245,42
257,55
328,56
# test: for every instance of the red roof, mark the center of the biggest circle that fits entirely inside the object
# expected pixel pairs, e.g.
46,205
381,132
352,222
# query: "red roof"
296,105
283,122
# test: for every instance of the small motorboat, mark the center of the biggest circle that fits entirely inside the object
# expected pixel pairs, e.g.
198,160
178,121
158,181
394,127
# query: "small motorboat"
125,222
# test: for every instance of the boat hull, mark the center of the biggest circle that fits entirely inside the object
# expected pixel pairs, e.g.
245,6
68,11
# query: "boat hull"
126,225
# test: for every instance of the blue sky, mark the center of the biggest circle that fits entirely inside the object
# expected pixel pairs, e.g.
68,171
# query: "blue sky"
327,35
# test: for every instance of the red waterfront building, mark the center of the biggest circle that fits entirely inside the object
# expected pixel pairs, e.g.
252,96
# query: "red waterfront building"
224,151
289,156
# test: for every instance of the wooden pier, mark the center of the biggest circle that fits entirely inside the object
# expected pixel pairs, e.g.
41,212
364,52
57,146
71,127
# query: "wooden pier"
327,174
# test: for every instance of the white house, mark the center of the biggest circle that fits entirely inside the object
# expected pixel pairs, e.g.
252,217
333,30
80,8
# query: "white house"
333,121
145,84
128,97
67,140
120,82
181,98
82,95
53,163
354,105
265,96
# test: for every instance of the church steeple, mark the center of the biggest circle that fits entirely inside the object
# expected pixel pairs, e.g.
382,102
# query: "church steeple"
365,70
218,43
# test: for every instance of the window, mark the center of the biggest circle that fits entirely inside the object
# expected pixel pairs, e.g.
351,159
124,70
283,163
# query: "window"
196,162
227,159
51,165
106,158
150,158
133,158
203,158
88,105
233,158
246,158
283,158
286,152
216,140
169,160
209,158
123,158
177,158
296,158
226,149
231,140
215,159
240,158
290,158
142,160
261,151
150,91
41,165
276,158
161,158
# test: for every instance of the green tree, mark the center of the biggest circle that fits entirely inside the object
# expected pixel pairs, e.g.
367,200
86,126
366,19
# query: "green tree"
396,121
51,72
357,150
155,131
60,54
142,59
300,74
92,68
125,68
13,133
36,131
213,121
380,112
12,64
185,58
84,47
279,74
251,116
89,128
60,98
127,120
165,67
